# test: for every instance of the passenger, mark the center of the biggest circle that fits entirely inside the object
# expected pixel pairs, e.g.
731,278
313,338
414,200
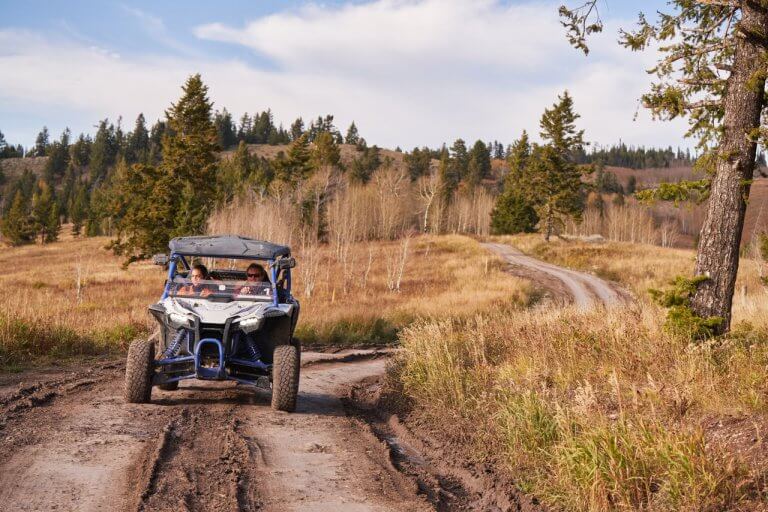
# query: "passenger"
197,274
256,276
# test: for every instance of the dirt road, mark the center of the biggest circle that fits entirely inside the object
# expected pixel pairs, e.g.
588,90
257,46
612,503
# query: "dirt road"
70,443
584,290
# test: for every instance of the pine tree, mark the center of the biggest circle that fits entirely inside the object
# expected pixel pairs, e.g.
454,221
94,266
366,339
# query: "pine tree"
459,159
513,213
17,225
80,152
297,129
226,133
326,151
479,166
553,177
137,147
448,178
517,160
353,137
555,184
41,143
364,165
58,159
234,173
45,213
189,157
297,165
78,211
156,135
103,151
174,199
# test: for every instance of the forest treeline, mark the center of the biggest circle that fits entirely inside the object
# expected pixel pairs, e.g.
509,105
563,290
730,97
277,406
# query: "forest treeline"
151,182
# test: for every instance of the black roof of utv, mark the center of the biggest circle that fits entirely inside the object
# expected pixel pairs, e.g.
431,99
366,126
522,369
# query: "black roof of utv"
227,246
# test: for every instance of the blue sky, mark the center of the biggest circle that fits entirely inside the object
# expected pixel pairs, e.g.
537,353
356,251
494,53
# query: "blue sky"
409,72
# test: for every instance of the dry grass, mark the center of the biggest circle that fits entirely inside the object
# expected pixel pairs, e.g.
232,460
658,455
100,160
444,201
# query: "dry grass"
606,410
594,411
345,298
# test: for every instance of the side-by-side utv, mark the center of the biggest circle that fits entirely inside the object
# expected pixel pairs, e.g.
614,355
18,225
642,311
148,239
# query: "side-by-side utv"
232,322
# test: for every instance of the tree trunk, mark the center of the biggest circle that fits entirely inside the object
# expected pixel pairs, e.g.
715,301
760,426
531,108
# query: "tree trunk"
548,232
718,251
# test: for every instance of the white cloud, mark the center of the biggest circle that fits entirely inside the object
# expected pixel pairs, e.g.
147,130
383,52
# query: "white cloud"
408,72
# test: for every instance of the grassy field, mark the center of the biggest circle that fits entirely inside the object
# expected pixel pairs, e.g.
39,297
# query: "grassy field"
605,410
46,313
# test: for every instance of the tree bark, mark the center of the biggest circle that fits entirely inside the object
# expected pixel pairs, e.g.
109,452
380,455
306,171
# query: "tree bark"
718,251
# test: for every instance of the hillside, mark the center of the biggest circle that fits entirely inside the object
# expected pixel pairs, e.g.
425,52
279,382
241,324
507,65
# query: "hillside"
13,167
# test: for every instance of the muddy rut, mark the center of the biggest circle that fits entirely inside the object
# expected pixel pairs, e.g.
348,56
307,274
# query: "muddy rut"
70,443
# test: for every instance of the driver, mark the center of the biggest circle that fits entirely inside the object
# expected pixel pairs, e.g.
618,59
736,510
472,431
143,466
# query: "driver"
256,276
196,287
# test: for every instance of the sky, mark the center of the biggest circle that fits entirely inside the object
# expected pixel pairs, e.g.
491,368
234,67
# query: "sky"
407,72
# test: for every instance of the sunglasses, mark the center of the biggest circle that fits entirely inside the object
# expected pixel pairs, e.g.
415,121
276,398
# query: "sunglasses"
253,275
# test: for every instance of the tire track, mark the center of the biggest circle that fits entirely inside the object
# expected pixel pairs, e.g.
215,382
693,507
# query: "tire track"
70,443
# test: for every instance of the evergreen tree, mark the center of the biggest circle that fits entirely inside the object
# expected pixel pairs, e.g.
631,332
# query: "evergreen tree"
226,133
78,211
479,166
513,213
17,225
245,130
517,160
263,128
67,193
234,173
45,213
189,158
418,162
448,178
58,159
41,143
353,137
459,159
554,179
365,165
326,152
103,151
137,147
176,198
156,135
297,164
297,129
262,173
80,152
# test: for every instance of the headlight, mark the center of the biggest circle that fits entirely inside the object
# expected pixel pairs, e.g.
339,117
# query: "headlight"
251,323
179,320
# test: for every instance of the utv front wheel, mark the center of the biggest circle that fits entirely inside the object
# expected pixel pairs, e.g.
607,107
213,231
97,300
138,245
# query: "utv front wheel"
285,378
138,372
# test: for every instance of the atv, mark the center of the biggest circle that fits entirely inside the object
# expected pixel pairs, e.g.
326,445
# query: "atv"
223,327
